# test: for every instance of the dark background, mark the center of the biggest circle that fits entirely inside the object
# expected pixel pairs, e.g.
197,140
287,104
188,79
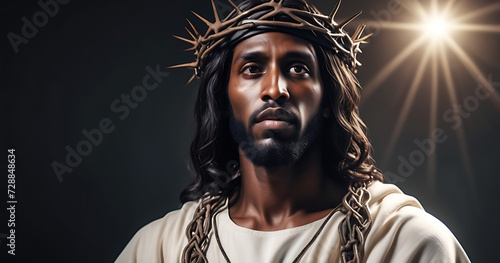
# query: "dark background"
90,52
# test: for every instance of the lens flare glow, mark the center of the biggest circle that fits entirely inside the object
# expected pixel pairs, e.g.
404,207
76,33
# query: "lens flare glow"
437,27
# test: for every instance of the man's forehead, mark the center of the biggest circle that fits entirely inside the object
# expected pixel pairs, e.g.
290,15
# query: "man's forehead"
261,45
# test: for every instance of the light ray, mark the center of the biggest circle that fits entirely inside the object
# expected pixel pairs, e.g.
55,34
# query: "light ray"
473,70
479,12
464,152
438,44
434,6
393,25
431,165
476,28
447,7
410,97
382,75
449,80
401,26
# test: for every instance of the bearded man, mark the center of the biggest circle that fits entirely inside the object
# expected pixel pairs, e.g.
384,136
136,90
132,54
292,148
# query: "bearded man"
284,169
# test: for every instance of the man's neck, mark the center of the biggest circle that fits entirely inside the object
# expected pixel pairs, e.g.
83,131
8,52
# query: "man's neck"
287,196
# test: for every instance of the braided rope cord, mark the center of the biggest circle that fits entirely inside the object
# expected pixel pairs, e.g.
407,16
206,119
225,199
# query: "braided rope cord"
352,229
198,230
356,222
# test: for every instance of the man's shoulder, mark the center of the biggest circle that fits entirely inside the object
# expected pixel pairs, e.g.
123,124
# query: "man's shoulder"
403,231
161,239
388,200
171,221
390,206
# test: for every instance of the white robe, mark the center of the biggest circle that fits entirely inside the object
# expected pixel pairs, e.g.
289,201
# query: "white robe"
401,232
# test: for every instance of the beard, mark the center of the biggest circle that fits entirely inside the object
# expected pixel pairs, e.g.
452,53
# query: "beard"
277,150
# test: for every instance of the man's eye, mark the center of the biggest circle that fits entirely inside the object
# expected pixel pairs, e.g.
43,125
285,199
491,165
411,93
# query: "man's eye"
251,70
298,70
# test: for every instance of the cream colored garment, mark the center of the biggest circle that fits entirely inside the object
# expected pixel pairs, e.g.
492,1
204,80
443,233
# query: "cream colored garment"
401,232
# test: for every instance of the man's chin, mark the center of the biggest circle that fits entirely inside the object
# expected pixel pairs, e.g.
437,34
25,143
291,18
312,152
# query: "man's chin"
288,133
272,139
274,148
271,152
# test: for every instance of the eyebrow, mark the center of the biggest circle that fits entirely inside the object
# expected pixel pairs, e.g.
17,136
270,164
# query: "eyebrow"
300,55
252,56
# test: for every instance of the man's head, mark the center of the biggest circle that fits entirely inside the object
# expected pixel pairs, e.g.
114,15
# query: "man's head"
275,93
278,77
266,72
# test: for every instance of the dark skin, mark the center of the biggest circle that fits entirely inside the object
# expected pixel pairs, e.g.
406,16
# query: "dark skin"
284,68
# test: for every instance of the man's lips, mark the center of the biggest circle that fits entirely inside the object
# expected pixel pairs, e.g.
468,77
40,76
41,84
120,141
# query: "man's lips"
274,115
274,118
272,124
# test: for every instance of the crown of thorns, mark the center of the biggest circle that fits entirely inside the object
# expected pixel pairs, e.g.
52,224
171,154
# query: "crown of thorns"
263,15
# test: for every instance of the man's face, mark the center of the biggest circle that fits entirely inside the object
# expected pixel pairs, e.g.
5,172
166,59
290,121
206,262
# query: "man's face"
275,92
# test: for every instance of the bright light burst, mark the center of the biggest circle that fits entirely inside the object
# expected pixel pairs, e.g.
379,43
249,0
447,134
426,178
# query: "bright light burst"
436,22
438,25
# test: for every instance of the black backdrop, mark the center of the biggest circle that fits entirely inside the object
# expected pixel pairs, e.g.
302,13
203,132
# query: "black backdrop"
70,77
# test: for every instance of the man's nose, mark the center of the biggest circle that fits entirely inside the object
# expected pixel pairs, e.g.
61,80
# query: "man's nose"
274,86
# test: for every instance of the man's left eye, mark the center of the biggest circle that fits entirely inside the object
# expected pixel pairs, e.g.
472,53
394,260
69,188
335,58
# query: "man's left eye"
298,70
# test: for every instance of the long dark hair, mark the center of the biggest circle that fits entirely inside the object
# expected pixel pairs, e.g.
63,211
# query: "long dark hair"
347,152
214,155
212,148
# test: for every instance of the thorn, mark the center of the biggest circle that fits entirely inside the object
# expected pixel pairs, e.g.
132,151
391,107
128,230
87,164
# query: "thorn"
341,25
202,19
191,79
334,11
193,42
215,12
230,14
194,29
190,65
358,32
235,7
362,40
191,34
361,31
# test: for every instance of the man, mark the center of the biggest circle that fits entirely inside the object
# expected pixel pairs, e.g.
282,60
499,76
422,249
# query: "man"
284,171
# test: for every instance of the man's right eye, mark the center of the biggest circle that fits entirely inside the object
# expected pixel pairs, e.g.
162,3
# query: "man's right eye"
251,70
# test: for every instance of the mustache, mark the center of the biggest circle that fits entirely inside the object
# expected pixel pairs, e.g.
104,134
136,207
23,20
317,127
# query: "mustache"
281,112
